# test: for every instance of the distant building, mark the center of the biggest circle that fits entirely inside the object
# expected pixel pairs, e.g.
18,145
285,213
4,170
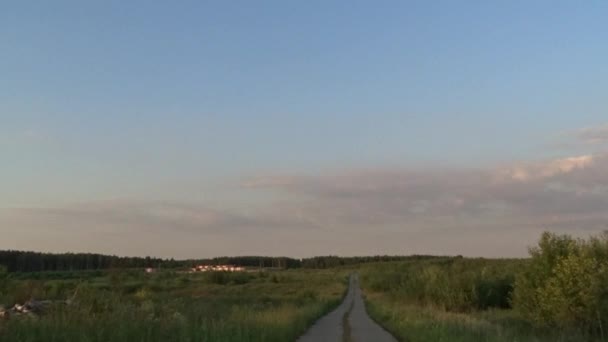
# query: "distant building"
218,268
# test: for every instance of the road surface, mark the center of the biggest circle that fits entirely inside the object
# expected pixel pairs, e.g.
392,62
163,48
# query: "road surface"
348,323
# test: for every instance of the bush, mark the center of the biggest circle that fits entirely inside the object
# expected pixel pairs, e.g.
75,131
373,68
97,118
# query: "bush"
564,284
494,293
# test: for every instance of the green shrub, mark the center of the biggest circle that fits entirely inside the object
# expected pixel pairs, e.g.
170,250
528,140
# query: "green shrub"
565,282
494,293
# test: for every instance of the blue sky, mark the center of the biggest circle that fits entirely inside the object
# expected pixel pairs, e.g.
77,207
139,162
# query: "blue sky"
183,102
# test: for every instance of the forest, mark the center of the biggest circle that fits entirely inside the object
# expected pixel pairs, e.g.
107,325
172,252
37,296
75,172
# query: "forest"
26,261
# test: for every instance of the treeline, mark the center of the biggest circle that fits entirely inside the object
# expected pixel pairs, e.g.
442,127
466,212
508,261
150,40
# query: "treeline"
251,261
321,262
20,261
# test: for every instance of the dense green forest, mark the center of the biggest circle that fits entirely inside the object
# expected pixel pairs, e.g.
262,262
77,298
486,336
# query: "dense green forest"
21,261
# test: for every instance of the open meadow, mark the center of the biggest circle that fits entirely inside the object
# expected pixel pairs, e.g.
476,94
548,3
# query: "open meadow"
170,306
557,294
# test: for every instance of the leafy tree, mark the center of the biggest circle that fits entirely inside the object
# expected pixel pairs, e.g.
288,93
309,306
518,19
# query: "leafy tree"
564,283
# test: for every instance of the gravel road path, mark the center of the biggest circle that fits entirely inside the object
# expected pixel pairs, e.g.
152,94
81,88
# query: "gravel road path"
348,323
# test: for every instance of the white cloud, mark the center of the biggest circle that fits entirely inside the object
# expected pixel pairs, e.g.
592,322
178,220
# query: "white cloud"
536,171
520,195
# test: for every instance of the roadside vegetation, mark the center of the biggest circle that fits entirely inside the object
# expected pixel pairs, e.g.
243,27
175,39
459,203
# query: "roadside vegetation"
170,306
558,294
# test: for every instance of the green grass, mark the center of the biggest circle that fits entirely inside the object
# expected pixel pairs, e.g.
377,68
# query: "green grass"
129,306
417,323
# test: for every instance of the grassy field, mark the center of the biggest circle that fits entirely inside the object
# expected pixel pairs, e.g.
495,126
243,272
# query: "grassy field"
418,323
558,294
168,306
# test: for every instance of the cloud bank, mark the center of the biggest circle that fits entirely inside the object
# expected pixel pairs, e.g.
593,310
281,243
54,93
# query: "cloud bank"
569,193
495,211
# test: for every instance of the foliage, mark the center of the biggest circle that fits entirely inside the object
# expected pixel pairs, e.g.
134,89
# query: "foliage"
456,284
31,262
558,294
20,261
565,282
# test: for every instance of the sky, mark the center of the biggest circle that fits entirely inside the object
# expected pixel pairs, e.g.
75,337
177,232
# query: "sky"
202,128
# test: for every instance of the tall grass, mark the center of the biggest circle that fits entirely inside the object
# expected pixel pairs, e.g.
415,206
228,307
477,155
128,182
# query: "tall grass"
426,323
178,307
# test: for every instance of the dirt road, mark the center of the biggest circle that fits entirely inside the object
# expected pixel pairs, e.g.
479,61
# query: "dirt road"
348,323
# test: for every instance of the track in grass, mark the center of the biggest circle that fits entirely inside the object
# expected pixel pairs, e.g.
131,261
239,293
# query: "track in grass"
348,323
